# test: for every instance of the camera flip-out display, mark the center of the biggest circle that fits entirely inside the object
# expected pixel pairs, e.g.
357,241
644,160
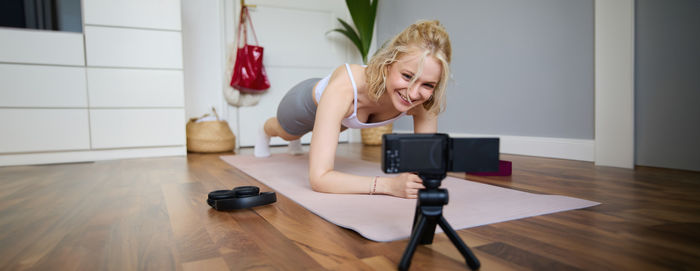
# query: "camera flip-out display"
438,153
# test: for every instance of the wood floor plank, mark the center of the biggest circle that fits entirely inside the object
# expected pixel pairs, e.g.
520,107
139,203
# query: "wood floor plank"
379,263
324,242
524,258
186,214
280,252
442,244
213,264
355,264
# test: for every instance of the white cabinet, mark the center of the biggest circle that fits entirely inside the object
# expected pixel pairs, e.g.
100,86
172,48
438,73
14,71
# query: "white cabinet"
42,86
114,91
41,47
111,87
43,95
34,130
134,74
120,128
157,14
133,48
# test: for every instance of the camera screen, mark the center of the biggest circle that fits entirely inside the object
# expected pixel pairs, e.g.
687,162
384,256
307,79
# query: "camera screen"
421,154
414,153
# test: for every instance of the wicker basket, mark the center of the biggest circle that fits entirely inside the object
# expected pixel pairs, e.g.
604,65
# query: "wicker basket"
209,136
373,136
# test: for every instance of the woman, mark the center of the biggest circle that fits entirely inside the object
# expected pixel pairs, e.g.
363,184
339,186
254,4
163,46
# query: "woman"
406,77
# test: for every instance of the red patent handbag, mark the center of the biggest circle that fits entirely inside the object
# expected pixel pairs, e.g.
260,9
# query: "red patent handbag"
248,71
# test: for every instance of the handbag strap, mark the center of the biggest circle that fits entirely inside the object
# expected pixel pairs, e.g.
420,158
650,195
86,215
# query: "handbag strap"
245,20
241,27
250,22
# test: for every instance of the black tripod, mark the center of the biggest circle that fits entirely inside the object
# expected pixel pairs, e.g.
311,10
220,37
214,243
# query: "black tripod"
428,215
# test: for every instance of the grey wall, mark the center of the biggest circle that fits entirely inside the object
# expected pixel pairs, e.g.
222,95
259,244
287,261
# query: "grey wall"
667,79
519,67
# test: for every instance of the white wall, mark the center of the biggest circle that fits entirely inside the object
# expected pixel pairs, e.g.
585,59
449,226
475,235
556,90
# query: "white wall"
614,83
203,56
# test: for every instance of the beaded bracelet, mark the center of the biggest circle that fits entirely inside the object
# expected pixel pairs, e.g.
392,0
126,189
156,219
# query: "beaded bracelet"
374,186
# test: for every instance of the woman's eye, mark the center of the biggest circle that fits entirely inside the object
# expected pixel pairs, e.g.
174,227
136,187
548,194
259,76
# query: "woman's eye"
429,86
406,76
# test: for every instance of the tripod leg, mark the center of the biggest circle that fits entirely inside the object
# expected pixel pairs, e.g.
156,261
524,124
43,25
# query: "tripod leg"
412,244
428,233
471,259
416,217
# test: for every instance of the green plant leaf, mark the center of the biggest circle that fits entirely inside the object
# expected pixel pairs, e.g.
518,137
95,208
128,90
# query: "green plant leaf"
350,33
363,13
359,11
372,17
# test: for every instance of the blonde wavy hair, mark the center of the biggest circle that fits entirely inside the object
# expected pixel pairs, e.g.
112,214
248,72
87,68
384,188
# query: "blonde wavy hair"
428,37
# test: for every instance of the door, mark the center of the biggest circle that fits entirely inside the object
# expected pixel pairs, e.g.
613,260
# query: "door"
297,47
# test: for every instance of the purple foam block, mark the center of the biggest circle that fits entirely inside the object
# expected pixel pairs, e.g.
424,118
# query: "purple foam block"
505,168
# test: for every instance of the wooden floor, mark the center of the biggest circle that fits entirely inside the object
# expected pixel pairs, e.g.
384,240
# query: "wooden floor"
144,214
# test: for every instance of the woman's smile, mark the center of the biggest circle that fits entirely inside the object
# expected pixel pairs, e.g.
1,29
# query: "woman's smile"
404,97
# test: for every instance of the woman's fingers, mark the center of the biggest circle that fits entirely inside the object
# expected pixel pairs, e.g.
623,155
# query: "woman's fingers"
415,185
408,185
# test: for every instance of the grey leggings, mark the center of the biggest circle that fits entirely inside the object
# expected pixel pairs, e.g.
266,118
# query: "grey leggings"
296,112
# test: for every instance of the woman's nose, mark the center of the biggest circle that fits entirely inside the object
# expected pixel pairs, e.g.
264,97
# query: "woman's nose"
414,92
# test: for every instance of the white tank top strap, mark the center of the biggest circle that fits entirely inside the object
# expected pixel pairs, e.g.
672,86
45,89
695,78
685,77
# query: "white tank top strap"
354,89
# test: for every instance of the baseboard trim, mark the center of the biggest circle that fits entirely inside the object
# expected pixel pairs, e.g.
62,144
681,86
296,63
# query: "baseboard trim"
88,155
550,147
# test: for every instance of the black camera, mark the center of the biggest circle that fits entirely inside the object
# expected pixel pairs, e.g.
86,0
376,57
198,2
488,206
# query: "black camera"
431,156
438,154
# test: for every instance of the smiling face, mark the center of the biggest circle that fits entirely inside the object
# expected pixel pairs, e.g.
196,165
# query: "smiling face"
409,86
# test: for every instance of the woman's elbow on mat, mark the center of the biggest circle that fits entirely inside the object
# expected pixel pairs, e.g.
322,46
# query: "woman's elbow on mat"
327,182
326,187
318,185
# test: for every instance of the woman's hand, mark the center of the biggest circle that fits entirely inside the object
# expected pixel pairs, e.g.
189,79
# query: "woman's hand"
405,185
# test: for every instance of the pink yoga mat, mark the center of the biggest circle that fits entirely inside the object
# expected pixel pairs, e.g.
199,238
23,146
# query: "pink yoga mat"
384,218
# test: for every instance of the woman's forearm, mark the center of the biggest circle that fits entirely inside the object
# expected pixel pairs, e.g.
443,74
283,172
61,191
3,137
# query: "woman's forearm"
339,182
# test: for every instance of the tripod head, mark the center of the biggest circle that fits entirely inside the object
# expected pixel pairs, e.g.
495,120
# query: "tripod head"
432,195
432,180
